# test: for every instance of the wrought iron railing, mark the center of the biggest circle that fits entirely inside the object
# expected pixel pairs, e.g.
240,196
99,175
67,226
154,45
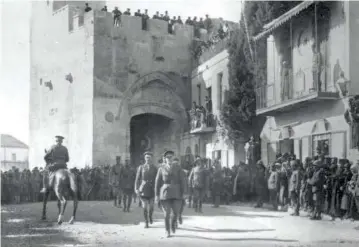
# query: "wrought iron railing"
298,85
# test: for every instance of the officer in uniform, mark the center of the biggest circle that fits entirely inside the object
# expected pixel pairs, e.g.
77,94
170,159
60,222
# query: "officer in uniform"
145,186
169,188
127,179
56,158
199,182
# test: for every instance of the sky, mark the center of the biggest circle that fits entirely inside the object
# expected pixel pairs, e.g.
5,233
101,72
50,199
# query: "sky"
15,53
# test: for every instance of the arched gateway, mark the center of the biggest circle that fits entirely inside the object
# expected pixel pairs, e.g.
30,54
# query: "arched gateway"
154,115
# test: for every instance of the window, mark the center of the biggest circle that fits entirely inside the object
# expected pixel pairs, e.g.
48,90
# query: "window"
219,86
56,5
286,146
209,92
321,144
13,157
199,94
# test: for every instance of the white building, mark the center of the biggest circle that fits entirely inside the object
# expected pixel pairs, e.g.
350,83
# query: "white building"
305,117
210,81
13,153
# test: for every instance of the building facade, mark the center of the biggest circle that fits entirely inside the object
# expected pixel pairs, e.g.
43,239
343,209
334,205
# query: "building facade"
210,86
113,91
312,73
13,153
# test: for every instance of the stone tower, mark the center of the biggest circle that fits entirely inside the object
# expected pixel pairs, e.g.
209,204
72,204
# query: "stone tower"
94,82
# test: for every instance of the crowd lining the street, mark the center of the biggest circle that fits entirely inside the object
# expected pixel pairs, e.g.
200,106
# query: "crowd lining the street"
316,186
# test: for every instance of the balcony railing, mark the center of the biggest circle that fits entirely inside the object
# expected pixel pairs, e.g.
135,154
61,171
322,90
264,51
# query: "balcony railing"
202,122
295,88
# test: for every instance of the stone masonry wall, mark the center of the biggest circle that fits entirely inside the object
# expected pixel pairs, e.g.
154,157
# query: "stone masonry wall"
123,56
57,106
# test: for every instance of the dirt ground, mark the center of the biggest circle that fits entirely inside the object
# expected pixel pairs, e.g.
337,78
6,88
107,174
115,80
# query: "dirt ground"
101,224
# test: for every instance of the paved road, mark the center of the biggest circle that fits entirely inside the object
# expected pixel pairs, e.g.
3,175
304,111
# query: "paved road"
100,224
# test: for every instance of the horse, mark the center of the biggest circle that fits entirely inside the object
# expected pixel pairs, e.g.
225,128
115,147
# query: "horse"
63,183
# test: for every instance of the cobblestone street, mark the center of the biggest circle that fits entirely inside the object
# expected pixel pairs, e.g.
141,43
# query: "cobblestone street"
100,224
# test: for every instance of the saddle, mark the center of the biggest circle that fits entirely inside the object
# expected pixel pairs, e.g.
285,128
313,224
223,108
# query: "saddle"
54,167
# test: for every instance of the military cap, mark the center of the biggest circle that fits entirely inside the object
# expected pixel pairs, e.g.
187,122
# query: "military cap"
278,164
169,152
60,137
148,153
176,159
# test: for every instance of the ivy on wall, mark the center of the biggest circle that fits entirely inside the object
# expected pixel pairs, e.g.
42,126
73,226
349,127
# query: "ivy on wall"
238,114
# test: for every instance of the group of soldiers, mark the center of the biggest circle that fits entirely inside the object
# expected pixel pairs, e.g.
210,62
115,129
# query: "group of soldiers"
318,185
197,24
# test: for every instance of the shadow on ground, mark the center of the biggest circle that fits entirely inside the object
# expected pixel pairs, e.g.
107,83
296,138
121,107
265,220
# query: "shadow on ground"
237,239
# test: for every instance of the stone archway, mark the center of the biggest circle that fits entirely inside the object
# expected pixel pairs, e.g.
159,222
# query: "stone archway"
154,94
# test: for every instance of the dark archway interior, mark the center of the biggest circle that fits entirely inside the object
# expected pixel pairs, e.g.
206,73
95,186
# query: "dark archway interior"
149,132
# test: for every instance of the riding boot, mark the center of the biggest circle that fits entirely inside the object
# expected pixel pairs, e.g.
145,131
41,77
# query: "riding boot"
145,214
167,225
124,203
150,216
129,201
200,206
174,224
44,182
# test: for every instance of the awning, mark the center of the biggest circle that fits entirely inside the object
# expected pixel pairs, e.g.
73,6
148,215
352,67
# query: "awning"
282,19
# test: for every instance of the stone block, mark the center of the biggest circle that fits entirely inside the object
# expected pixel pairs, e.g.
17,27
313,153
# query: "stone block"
131,22
157,26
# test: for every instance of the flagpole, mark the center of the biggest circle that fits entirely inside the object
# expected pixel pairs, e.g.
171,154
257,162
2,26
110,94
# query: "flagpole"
246,30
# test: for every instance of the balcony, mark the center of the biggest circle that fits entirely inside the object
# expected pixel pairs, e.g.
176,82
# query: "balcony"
272,99
202,123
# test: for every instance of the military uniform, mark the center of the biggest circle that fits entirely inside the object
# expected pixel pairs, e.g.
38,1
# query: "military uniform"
127,180
56,158
199,182
169,188
145,188
115,184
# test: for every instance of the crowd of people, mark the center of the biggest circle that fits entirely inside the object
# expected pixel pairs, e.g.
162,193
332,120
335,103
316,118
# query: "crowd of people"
316,186
319,185
97,183
201,23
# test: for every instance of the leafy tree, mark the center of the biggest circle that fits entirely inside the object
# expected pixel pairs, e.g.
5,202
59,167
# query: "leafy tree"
238,114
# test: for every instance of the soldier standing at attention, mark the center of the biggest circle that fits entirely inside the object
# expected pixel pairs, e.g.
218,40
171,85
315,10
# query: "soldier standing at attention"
127,180
115,182
145,186
59,156
169,188
116,16
198,180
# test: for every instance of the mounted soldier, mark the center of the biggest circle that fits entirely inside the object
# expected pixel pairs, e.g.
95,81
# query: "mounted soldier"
58,155
60,179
